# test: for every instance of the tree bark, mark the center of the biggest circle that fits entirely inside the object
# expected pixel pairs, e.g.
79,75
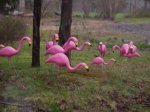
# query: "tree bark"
36,33
66,20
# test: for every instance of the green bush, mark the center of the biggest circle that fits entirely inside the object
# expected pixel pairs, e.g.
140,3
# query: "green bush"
11,28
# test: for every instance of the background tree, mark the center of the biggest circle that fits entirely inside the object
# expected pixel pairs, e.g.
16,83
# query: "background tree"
36,33
108,8
66,20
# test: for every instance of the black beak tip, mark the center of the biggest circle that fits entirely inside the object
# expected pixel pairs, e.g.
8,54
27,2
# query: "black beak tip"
113,51
76,45
29,45
88,70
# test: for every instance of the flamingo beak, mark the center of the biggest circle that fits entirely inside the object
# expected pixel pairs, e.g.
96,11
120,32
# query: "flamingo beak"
90,45
76,43
2,46
113,51
57,39
87,68
30,43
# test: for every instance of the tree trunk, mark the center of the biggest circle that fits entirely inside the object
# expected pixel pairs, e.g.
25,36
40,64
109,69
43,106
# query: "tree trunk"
36,33
66,20
145,4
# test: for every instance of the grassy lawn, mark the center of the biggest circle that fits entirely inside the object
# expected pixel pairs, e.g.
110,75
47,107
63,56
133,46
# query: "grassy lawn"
121,86
122,17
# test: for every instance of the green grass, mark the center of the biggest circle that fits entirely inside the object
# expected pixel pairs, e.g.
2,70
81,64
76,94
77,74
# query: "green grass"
122,17
46,87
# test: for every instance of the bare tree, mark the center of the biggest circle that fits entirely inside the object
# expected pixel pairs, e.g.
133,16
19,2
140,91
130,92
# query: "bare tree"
107,8
49,7
36,33
66,20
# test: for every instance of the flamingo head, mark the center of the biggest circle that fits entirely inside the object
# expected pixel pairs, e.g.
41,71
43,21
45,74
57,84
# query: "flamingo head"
2,46
85,66
75,40
88,43
131,43
113,49
100,43
112,59
56,37
28,39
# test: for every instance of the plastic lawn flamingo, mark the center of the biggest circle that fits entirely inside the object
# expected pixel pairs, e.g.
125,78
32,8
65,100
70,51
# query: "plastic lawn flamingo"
58,49
74,39
54,50
135,54
124,49
60,59
9,51
53,42
99,61
71,46
2,46
102,49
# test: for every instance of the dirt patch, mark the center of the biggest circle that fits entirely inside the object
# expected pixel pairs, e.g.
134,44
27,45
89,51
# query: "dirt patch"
95,74
123,103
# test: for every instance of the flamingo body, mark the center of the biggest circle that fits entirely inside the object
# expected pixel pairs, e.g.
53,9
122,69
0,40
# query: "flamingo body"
135,54
61,59
102,49
53,42
54,50
99,61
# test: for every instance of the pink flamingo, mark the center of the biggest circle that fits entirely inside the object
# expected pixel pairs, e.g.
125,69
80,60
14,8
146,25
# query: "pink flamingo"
2,46
60,59
124,49
102,49
9,51
74,39
99,61
58,49
53,42
135,54
54,50
71,46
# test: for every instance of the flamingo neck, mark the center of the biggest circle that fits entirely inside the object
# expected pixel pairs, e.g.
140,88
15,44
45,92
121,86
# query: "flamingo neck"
116,47
81,48
54,42
73,68
20,45
106,63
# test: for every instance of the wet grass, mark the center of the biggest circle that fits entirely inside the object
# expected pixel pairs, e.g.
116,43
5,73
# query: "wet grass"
123,17
47,88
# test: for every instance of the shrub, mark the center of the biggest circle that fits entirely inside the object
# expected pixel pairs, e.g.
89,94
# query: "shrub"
11,28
